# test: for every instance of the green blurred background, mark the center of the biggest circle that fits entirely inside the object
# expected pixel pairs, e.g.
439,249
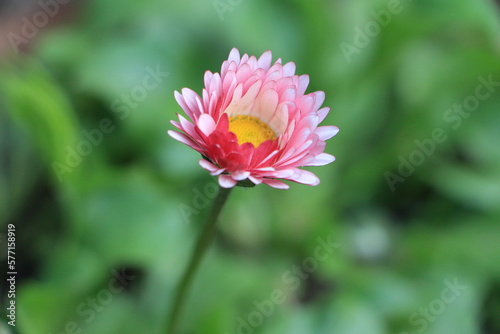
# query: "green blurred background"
412,202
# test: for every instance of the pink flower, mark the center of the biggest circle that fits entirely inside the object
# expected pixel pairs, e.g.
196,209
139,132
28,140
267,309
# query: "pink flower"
254,121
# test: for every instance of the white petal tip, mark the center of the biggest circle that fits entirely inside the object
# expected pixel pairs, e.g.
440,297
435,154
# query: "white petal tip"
226,181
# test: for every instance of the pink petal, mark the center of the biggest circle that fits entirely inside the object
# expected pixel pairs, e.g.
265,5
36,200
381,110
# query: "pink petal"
294,161
275,75
322,113
184,139
305,103
234,55
306,177
286,156
265,60
252,61
305,160
208,165
255,180
283,174
244,59
228,82
206,124
310,121
267,101
215,83
177,125
320,98
326,132
322,159
181,101
279,119
276,183
238,91
239,176
226,181
288,94
299,138
289,69
187,126
213,104
303,83
208,78
213,169
265,169
273,153
252,92
243,73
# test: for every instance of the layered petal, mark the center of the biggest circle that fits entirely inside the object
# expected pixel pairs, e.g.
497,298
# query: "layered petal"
254,121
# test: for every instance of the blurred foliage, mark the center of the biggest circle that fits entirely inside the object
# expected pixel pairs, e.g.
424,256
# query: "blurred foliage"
119,211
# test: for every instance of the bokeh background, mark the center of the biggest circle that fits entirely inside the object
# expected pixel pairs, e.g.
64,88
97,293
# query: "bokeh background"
412,202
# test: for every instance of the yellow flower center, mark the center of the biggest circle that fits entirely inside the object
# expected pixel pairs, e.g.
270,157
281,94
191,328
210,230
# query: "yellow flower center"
250,129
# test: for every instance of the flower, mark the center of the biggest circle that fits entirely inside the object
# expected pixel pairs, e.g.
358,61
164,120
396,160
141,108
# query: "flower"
254,122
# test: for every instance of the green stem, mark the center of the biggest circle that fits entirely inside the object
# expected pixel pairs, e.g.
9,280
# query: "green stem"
204,240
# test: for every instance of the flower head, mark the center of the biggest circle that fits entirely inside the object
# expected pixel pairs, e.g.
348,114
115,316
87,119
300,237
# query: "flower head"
254,121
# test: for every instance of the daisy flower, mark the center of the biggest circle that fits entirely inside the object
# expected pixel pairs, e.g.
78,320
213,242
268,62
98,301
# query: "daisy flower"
254,122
